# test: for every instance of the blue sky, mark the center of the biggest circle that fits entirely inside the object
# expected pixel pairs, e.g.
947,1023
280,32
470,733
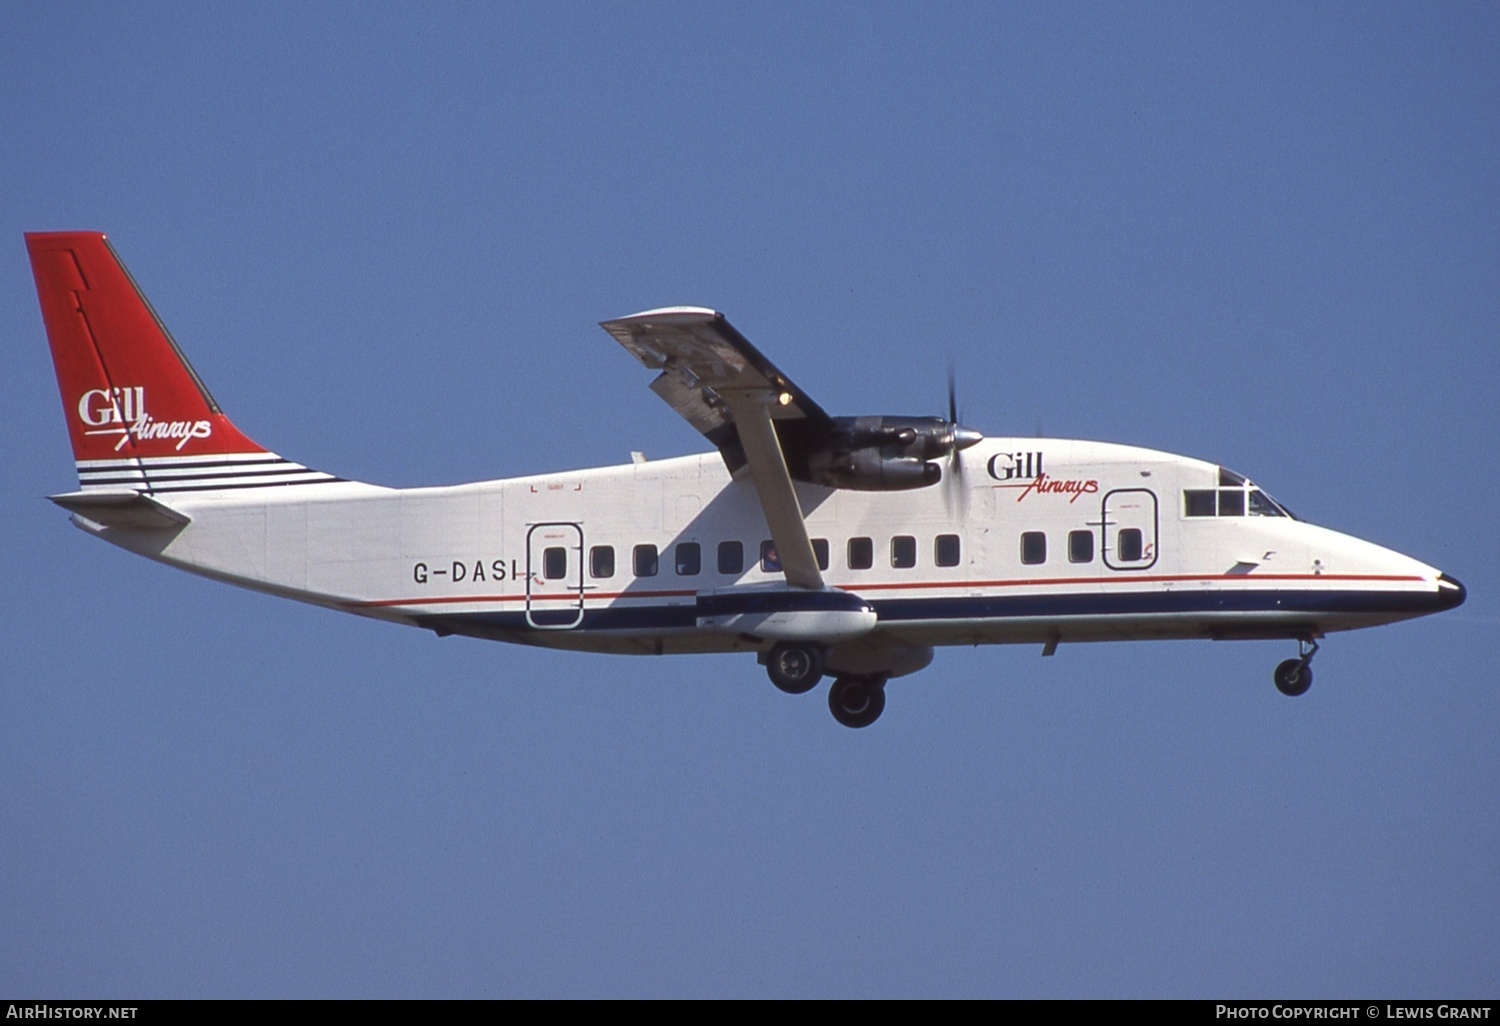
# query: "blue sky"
1264,235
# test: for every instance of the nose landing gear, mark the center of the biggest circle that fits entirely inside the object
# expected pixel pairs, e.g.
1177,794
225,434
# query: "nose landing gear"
1294,676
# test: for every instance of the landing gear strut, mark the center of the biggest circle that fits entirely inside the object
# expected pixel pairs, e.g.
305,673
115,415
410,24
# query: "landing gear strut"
857,701
1294,676
795,669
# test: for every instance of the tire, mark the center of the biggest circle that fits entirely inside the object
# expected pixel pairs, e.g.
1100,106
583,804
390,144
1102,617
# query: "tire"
1293,678
795,669
857,701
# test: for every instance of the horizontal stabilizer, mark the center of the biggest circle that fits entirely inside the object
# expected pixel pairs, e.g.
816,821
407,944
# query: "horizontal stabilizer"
121,509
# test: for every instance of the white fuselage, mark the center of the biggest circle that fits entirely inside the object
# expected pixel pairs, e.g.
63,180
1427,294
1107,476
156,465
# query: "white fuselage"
1031,540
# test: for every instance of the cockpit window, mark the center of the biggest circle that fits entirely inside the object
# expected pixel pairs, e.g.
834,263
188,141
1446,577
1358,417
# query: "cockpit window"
1262,505
1200,502
1235,497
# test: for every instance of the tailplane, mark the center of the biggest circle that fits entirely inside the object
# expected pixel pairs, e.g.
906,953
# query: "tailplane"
138,415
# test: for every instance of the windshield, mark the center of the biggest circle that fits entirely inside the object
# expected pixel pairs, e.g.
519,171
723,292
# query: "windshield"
1235,497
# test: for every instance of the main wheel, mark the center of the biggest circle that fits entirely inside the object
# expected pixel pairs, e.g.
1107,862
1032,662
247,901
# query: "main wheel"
1293,677
857,701
795,669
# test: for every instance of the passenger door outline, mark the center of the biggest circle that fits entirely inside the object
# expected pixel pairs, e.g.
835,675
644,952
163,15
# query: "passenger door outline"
554,604
1123,509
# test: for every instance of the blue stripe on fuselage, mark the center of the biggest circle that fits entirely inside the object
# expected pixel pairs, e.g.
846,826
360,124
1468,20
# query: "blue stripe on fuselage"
893,612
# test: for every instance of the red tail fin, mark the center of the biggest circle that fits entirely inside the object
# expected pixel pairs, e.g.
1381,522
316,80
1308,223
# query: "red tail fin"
139,417
127,391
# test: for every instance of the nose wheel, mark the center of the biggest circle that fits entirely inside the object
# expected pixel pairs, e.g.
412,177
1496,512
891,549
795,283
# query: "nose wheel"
857,701
1294,676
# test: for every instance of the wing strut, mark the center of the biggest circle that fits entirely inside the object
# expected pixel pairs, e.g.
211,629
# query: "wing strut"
773,484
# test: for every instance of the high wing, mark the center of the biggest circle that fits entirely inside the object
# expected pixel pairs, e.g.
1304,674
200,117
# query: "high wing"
700,354
741,402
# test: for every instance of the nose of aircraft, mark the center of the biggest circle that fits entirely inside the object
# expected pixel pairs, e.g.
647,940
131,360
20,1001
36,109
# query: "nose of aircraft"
1451,592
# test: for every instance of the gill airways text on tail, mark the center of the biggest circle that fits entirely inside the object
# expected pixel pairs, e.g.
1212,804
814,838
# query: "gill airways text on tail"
138,415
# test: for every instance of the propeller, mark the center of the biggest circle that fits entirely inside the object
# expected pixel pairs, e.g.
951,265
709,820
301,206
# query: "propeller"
952,394
962,438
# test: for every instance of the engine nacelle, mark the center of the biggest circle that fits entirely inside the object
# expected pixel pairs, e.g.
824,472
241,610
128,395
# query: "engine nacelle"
880,454
868,470
924,438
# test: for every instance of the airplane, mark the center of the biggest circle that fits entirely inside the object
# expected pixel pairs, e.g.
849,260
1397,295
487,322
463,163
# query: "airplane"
847,547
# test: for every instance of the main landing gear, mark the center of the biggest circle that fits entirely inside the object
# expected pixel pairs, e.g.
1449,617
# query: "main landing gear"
795,669
855,700
1294,676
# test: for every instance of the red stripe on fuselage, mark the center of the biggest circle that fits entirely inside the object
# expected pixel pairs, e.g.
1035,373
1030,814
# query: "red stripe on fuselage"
904,585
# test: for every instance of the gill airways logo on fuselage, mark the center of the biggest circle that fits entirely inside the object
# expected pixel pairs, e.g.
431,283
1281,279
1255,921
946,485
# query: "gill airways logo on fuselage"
1023,472
122,411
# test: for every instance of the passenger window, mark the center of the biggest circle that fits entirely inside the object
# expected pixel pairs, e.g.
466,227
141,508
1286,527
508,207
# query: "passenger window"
903,552
1200,502
1231,502
731,557
770,559
1080,546
602,561
946,550
554,563
1033,547
646,561
861,553
689,559
820,552
1130,545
